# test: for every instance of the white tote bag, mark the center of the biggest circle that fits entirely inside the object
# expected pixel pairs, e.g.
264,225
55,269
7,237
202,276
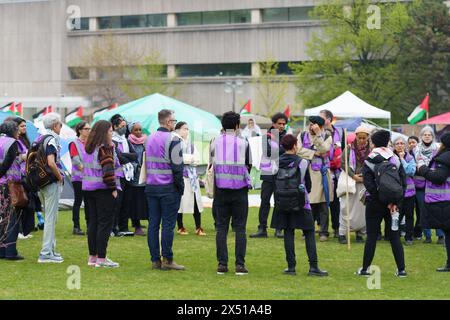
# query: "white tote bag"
342,185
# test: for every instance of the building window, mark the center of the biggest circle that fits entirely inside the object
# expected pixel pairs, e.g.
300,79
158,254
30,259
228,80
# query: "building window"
214,17
134,21
81,25
214,70
78,73
286,14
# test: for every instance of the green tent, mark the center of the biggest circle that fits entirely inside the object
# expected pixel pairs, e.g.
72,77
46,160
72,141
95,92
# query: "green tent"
203,126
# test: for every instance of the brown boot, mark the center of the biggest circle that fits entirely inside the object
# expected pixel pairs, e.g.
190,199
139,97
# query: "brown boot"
156,265
170,265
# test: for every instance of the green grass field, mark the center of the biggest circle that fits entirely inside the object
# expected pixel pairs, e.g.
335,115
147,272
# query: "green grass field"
265,260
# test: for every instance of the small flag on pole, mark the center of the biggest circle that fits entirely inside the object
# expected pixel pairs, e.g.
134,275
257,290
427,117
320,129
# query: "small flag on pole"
10,107
287,113
74,117
420,111
19,109
247,109
101,110
42,113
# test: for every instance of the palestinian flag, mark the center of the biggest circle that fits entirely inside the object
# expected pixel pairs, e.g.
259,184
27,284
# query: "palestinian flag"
420,112
100,111
287,113
42,113
74,117
10,108
247,108
19,109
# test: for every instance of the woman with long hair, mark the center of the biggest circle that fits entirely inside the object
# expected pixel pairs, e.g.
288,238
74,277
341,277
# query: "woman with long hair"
77,149
100,184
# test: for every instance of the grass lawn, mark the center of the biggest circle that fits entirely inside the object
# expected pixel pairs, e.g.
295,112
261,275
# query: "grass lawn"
265,260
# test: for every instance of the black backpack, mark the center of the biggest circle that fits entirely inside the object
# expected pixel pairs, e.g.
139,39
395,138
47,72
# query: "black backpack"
38,173
389,182
288,197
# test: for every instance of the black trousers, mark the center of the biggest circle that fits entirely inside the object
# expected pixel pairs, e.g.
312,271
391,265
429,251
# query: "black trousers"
121,213
321,215
79,197
101,217
407,211
197,217
267,189
231,205
417,227
335,208
375,212
289,247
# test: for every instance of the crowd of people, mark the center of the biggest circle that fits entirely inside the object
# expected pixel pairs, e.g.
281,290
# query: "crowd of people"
121,174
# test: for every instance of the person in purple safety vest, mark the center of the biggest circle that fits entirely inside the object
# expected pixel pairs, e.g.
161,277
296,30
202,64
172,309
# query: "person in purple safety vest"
272,150
100,184
437,193
9,171
77,150
232,181
407,209
376,210
424,152
336,135
315,145
164,189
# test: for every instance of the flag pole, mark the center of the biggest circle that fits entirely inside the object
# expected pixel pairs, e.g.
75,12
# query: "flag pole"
349,246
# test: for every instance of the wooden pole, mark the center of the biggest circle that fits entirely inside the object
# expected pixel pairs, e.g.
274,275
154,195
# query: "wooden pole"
349,246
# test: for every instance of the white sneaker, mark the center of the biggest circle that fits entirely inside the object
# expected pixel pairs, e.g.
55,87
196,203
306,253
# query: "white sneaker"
108,263
22,237
50,259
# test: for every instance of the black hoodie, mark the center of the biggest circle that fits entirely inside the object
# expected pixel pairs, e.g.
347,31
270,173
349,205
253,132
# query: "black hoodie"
286,160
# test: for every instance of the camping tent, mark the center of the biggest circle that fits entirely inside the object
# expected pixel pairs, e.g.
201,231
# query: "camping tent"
348,105
203,125
440,119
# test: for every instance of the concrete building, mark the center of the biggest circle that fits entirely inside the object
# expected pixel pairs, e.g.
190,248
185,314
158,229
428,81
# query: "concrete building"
206,43
203,43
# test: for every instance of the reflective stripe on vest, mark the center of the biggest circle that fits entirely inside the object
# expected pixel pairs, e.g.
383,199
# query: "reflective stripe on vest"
316,162
159,171
230,171
437,193
269,166
93,174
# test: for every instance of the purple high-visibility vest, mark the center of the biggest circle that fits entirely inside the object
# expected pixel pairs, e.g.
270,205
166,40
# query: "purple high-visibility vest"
269,165
159,171
22,150
410,184
92,178
303,166
77,174
13,173
336,138
316,162
230,171
419,181
437,193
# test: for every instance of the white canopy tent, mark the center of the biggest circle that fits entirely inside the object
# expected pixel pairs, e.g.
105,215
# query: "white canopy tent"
348,105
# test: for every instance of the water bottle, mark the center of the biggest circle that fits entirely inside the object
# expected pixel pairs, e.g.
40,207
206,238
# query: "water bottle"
40,218
395,221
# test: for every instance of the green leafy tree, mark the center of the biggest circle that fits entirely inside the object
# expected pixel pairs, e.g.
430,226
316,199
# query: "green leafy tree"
357,49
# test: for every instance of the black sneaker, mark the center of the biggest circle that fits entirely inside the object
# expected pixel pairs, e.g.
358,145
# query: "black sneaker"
16,258
241,270
290,272
363,273
427,240
401,274
359,239
444,269
342,240
222,269
77,232
316,272
440,240
261,233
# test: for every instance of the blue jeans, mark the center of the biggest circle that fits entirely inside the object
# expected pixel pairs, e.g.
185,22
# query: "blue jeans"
163,210
420,195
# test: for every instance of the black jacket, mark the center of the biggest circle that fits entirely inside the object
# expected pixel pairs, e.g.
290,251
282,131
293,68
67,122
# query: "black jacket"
437,215
370,182
267,150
